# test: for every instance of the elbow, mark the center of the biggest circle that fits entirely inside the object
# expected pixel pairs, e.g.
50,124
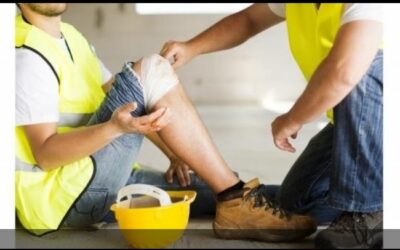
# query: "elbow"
345,75
348,77
43,162
252,27
244,23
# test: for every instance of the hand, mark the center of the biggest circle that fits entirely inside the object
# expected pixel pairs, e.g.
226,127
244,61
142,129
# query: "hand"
123,121
282,128
178,53
181,170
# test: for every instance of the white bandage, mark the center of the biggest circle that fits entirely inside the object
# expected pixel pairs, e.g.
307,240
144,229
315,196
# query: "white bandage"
157,78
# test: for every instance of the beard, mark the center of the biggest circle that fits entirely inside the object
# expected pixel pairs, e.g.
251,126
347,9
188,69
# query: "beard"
46,9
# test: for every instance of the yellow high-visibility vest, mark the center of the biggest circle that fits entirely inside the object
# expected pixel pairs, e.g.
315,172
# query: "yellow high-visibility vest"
312,34
43,199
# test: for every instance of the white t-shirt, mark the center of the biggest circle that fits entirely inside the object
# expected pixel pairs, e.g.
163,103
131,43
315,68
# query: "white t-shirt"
37,87
352,11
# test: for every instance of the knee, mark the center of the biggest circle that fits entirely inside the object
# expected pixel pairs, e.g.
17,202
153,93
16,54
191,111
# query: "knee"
291,197
157,77
303,200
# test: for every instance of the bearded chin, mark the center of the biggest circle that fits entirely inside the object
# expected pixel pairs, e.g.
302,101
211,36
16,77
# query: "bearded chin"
49,12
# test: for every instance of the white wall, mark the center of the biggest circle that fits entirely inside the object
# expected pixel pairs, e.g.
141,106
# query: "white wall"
262,67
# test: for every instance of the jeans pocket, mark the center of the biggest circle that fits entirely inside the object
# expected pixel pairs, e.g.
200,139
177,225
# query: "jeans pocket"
93,203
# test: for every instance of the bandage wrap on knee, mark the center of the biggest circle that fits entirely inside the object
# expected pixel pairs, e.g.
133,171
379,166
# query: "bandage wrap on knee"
157,78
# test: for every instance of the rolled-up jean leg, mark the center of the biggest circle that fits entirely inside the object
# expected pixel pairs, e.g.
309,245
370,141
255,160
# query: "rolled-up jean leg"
113,163
126,89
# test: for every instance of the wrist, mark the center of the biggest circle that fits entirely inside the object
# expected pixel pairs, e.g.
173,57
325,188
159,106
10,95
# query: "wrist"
294,119
194,47
113,131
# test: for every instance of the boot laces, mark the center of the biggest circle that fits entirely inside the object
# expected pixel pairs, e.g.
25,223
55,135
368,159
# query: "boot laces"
262,199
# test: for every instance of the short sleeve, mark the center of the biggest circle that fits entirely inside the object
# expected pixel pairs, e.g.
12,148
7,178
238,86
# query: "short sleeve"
364,11
278,9
36,90
105,73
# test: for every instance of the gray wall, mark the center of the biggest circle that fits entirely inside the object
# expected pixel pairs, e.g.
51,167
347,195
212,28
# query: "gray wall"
261,68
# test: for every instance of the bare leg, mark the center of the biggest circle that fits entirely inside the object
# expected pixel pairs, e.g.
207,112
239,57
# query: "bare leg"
187,137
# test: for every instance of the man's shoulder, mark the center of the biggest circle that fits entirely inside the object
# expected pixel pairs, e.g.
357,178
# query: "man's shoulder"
30,63
24,55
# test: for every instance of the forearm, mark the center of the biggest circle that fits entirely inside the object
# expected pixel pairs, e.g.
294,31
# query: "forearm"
65,148
220,36
234,29
329,85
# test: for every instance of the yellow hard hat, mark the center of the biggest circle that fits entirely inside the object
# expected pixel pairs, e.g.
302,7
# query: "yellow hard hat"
155,220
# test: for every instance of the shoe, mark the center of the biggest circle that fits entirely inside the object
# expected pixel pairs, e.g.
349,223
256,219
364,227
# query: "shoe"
249,213
353,231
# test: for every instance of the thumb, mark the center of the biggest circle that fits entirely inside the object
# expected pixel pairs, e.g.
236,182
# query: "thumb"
129,107
169,54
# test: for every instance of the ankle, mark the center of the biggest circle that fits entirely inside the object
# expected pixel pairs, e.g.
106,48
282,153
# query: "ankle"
231,192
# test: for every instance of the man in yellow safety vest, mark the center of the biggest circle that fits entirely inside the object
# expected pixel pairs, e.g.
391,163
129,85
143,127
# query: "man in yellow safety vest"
338,177
79,130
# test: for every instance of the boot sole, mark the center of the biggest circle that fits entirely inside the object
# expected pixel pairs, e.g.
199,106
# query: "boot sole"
376,242
268,235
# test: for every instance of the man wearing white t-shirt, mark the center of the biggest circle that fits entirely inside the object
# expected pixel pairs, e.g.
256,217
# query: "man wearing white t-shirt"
338,177
79,130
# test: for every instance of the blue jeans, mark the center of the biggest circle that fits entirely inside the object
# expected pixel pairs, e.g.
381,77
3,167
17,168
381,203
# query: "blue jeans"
113,163
341,167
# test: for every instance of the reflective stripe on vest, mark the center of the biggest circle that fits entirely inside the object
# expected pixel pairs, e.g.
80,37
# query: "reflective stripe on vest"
73,120
26,167
43,198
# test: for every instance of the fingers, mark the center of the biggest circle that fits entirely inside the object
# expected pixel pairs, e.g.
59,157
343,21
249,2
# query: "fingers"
283,144
123,120
182,172
175,53
170,55
163,120
152,122
169,175
150,118
186,174
283,129
165,48
181,177
174,59
168,51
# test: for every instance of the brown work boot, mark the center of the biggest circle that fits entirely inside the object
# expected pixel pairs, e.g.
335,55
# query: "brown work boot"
250,214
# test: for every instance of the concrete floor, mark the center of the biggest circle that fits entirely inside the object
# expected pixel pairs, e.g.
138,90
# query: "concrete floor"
198,235
242,134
